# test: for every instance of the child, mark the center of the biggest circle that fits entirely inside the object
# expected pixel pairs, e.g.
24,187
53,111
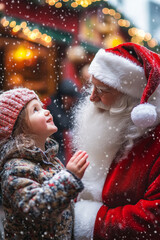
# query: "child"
37,190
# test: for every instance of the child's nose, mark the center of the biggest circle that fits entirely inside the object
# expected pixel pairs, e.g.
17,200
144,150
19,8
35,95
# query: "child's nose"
46,112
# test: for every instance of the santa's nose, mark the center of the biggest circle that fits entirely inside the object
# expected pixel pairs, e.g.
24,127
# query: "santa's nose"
94,97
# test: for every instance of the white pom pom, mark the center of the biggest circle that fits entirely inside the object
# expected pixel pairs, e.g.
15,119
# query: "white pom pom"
144,115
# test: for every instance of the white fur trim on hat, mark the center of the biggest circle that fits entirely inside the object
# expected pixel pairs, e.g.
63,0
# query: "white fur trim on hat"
144,115
118,72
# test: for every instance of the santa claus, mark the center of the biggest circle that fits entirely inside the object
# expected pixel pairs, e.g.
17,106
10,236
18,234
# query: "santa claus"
119,127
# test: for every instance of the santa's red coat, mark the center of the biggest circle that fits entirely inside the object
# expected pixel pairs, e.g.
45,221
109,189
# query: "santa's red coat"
131,195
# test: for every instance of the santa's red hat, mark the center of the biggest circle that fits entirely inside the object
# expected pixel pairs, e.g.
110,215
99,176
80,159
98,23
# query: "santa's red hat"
133,70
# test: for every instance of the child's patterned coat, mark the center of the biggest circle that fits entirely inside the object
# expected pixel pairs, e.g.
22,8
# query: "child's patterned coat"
37,194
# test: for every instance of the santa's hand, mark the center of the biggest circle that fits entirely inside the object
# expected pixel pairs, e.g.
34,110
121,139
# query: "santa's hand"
85,216
78,163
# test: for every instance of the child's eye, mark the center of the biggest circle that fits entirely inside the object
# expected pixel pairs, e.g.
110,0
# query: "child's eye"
35,109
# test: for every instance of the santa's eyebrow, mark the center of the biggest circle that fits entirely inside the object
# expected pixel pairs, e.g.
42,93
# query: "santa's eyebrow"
103,88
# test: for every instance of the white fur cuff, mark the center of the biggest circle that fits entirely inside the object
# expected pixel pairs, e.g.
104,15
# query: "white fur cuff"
85,216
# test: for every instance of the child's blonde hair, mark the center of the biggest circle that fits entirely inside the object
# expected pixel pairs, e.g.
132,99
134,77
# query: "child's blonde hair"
20,131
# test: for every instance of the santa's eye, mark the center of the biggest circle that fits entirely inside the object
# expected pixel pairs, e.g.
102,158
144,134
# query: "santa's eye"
102,90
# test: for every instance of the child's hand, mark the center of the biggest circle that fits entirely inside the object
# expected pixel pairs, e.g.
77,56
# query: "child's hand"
78,164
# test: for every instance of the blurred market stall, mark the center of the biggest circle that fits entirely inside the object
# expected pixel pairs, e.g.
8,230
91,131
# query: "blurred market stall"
43,42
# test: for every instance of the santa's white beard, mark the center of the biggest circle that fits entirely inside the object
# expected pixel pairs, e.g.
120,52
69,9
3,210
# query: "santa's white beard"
101,135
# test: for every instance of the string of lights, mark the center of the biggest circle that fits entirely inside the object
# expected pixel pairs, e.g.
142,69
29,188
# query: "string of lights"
137,35
32,35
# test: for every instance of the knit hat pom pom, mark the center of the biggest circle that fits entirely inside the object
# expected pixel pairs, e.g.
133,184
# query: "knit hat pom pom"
144,115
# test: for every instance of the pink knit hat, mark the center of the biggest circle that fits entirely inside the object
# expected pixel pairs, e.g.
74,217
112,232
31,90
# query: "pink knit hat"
11,104
134,70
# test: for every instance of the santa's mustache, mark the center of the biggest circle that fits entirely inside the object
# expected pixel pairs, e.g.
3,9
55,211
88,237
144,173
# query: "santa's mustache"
100,105
120,105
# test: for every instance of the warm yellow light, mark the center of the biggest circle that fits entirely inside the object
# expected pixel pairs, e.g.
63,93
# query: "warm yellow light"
16,28
48,39
20,53
112,12
152,43
58,5
136,39
134,31
15,80
39,35
84,3
78,2
141,33
26,30
117,16
113,41
23,25
74,4
35,33
32,35
131,32
12,24
105,10
29,54
3,20
5,23
127,23
117,41
23,54
43,36
51,2
122,22
147,37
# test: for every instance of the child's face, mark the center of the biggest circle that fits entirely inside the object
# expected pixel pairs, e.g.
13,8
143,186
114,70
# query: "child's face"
40,121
